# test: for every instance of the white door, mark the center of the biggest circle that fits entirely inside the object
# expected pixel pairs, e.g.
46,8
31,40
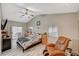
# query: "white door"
15,31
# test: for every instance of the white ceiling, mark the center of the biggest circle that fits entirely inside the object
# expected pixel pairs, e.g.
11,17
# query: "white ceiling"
10,11
53,8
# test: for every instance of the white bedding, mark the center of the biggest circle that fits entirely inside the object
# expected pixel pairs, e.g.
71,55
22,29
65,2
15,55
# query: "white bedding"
33,40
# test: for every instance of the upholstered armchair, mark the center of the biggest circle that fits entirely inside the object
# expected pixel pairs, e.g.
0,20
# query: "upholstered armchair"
58,49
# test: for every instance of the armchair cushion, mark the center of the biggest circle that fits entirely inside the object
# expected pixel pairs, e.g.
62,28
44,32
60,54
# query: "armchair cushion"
50,46
57,53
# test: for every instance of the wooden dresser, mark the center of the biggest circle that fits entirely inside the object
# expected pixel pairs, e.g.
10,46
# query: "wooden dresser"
6,44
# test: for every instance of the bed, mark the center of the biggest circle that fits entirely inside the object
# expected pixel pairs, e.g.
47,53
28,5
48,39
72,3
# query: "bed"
30,41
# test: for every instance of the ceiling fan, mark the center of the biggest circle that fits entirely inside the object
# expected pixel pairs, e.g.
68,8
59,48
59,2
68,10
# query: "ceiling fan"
27,12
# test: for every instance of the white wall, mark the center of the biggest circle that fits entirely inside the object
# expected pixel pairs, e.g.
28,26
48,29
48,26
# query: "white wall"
0,28
78,29
0,36
67,25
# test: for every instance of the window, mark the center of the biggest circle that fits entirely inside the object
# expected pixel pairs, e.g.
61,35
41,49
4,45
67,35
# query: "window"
53,31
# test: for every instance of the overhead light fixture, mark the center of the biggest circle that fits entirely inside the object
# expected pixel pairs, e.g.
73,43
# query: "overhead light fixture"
27,12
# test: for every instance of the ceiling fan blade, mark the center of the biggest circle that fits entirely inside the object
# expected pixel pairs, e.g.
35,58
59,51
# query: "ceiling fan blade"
32,15
22,15
26,9
26,13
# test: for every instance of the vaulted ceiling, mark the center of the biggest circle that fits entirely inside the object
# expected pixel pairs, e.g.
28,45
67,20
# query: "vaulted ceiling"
11,10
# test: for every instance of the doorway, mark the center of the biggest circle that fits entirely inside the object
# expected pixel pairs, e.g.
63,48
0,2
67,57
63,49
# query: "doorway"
16,32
